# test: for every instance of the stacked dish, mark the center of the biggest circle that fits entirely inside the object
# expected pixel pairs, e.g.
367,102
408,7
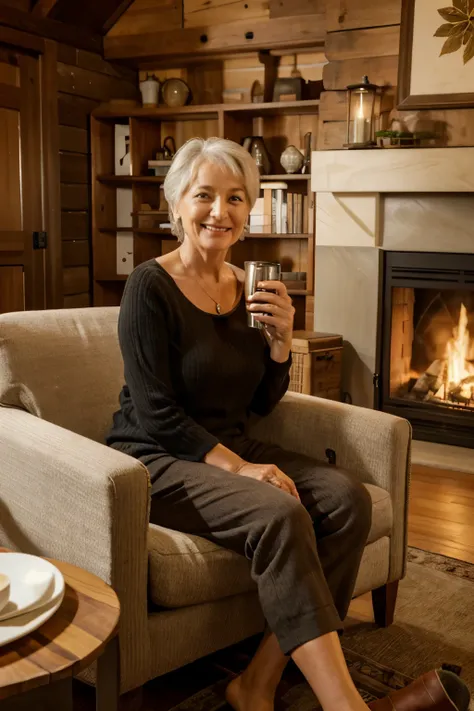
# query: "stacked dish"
31,590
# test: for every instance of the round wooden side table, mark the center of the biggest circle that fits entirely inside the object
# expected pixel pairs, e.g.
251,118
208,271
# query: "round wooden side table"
36,671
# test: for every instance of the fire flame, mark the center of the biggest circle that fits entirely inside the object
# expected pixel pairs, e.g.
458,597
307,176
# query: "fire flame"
459,379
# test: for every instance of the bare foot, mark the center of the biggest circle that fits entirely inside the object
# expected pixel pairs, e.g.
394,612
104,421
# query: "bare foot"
243,698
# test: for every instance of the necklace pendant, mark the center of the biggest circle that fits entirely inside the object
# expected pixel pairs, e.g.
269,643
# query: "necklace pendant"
218,308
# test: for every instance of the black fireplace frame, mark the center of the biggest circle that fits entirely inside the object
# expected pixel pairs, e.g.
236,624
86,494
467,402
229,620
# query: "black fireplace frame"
433,423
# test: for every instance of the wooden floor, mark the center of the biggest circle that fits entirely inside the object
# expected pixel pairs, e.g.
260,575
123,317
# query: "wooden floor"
441,520
441,517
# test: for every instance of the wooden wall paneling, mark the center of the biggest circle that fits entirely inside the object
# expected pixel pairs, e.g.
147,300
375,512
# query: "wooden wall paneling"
51,29
333,106
357,14
198,13
92,85
380,70
360,44
23,5
75,225
12,297
76,253
332,135
75,110
234,126
21,40
289,8
143,14
31,178
9,70
206,82
452,127
51,176
94,63
74,197
10,190
182,131
74,168
74,140
88,14
77,301
303,31
76,280
104,202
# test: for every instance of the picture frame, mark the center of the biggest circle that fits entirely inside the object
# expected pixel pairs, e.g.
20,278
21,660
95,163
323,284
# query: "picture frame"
422,63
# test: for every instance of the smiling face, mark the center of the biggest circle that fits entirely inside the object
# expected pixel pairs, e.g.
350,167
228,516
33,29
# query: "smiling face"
214,209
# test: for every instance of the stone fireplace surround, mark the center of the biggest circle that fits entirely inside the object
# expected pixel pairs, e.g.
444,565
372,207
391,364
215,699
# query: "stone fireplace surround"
367,201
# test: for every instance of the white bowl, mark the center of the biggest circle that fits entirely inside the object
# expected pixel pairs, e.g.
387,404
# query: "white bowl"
4,590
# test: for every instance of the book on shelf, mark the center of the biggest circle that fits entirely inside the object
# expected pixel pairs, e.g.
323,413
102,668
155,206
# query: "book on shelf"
279,211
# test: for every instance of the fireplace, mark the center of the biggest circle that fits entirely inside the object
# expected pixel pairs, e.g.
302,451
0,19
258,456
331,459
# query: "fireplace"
426,344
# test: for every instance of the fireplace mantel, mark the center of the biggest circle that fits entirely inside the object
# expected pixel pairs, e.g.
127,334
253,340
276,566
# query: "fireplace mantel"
406,170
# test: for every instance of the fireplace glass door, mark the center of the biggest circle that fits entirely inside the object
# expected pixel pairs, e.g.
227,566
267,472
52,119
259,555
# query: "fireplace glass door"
428,344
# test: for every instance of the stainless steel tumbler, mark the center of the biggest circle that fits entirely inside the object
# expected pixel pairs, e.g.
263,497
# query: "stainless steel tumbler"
255,272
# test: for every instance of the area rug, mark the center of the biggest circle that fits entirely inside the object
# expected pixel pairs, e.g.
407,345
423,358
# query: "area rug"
434,625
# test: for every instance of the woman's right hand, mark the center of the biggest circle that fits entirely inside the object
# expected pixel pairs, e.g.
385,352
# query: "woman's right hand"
271,474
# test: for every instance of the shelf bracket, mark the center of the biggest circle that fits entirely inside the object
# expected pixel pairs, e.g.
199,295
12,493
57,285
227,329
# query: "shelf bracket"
271,64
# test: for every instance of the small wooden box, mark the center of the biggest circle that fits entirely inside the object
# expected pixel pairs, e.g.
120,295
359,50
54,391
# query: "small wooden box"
317,363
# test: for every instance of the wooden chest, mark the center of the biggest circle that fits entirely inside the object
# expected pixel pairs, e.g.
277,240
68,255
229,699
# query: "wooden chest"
317,363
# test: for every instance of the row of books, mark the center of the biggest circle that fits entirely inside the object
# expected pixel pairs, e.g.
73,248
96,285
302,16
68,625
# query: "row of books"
279,211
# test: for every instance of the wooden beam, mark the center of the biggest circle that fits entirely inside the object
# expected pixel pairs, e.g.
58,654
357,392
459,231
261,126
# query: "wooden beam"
50,29
357,44
290,8
115,17
303,31
380,70
43,8
14,38
359,14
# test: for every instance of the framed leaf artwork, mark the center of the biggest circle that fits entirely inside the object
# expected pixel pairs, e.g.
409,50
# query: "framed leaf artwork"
436,54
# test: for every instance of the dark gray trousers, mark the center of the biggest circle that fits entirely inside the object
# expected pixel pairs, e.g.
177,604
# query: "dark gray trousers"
304,557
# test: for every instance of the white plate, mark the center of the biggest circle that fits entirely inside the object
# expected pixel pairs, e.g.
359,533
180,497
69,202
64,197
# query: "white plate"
22,624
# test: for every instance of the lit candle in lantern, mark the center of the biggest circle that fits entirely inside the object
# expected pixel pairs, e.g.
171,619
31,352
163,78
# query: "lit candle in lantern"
360,124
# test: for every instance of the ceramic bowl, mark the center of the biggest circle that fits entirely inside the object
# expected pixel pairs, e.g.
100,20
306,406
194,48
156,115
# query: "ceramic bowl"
4,590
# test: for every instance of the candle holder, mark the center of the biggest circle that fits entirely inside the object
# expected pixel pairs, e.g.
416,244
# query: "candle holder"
363,106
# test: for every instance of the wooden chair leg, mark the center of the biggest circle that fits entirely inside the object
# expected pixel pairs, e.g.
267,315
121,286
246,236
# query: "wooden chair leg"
384,600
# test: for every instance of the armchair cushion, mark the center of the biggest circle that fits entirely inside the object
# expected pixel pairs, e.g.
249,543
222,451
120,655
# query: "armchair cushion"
63,366
188,570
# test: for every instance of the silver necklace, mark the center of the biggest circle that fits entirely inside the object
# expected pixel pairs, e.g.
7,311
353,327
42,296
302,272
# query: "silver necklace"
201,284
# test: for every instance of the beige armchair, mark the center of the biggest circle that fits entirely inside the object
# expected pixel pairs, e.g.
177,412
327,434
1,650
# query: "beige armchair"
64,494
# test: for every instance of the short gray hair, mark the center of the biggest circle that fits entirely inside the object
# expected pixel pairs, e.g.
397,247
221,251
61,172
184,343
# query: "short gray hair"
189,158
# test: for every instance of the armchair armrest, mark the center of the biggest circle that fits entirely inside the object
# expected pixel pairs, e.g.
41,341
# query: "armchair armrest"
373,445
70,498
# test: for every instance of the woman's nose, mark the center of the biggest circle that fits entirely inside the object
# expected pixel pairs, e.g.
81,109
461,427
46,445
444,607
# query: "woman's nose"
218,207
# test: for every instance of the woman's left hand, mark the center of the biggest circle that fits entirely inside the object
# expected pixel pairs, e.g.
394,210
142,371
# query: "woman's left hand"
275,310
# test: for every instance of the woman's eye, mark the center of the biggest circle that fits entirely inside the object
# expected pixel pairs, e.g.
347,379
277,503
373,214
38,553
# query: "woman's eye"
236,197
202,195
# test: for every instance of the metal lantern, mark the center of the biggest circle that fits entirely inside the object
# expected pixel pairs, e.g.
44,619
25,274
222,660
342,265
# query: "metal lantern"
363,100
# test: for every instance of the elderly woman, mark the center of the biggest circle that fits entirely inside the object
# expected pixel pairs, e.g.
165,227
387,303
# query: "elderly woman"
194,372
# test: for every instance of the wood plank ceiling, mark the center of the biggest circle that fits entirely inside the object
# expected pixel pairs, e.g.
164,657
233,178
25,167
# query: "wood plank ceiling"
98,16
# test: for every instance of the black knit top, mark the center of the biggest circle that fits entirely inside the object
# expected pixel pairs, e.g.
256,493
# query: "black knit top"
191,378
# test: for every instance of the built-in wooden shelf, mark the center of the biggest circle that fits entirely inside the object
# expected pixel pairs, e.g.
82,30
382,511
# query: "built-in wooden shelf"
127,179
137,230
286,177
276,235
206,111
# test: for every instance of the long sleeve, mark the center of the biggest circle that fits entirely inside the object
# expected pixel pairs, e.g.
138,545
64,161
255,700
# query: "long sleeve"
272,387
144,341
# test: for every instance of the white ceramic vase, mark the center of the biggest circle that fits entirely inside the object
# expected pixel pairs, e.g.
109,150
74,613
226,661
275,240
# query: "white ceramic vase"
292,159
150,91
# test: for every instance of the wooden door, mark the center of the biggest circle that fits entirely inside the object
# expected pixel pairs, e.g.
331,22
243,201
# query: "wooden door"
22,249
